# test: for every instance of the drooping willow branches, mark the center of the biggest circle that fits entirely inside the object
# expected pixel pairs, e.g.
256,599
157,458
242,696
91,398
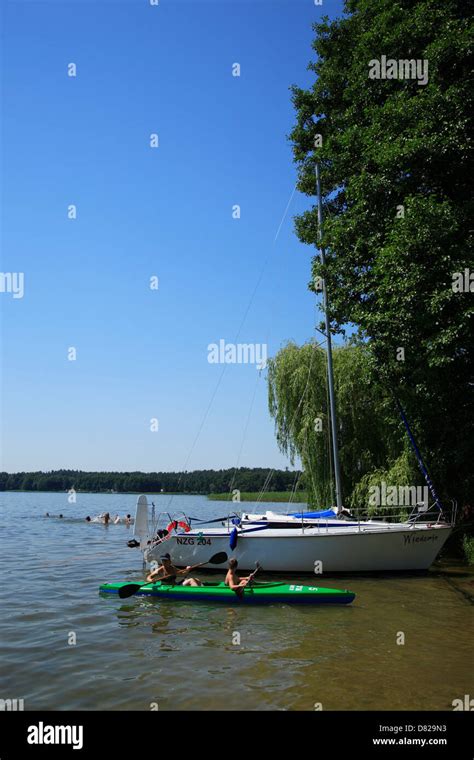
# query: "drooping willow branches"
370,438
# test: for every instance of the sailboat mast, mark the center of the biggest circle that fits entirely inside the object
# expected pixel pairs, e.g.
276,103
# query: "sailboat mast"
332,401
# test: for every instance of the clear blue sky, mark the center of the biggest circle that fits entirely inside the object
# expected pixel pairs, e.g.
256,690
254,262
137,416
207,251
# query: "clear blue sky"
143,354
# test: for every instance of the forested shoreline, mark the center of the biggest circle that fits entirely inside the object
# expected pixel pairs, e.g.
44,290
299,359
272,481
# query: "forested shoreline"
197,481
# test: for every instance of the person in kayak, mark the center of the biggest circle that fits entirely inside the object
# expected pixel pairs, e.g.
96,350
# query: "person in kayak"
169,573
232,579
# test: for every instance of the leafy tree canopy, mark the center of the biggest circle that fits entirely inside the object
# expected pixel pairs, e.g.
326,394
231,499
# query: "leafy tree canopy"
396,169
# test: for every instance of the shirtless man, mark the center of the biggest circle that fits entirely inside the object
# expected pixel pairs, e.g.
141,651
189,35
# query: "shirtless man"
168,569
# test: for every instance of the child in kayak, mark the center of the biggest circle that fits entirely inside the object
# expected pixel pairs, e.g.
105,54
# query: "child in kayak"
169,571
232,579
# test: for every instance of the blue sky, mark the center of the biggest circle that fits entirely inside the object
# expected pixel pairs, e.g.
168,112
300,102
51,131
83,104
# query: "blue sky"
143,212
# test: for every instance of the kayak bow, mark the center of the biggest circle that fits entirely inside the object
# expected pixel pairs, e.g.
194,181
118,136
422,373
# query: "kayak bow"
257,593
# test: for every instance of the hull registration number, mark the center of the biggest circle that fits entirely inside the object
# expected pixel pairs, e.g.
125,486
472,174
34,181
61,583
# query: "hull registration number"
192,541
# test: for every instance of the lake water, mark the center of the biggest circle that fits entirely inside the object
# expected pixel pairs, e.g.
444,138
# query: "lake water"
138,653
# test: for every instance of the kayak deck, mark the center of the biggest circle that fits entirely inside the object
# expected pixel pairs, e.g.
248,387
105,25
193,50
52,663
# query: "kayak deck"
257,593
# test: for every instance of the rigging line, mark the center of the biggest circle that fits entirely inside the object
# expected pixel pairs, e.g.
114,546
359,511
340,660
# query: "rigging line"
244,434
421,463
331,474
245,430
322,333
313,352
295,486
206,413
265,264
265,485
235,340
308,457
284,214
305,444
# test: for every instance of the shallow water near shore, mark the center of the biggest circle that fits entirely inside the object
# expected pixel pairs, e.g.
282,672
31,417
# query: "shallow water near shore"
142,654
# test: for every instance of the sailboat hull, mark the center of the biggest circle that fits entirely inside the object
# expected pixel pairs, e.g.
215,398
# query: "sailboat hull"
313,550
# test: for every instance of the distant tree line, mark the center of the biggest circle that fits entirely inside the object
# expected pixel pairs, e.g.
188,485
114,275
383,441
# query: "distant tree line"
198,481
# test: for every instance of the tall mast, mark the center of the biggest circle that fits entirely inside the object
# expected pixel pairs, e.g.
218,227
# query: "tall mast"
332,402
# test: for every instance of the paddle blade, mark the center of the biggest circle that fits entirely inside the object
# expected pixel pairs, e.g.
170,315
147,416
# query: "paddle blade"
218,559
129,590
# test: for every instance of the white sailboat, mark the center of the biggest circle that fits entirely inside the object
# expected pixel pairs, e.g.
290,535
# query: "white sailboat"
322,542
365,548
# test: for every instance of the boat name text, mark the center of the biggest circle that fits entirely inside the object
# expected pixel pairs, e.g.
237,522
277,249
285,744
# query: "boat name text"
419,539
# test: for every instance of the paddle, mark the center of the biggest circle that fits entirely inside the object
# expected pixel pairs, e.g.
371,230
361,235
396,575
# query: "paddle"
240,591
252,575
131,588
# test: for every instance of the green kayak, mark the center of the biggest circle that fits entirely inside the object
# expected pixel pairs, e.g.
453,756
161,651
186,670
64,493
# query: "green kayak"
257,593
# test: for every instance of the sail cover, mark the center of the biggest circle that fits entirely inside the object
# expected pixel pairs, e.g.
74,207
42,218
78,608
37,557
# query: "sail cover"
323,513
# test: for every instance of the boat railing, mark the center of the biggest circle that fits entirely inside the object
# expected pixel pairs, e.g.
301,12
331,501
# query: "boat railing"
420,513
181,519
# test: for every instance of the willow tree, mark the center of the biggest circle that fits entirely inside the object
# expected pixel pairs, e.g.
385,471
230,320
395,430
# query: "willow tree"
297,399
372,444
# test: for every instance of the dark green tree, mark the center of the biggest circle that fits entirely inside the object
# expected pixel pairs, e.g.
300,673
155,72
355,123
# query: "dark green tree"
396,169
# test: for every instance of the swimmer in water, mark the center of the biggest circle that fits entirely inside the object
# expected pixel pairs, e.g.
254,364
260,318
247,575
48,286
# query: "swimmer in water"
88,519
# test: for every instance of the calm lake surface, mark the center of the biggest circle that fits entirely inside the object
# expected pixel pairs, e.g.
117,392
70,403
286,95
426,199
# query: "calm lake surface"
132,653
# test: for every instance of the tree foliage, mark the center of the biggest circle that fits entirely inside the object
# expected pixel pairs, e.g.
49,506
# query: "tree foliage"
197,481
372,445
396,173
